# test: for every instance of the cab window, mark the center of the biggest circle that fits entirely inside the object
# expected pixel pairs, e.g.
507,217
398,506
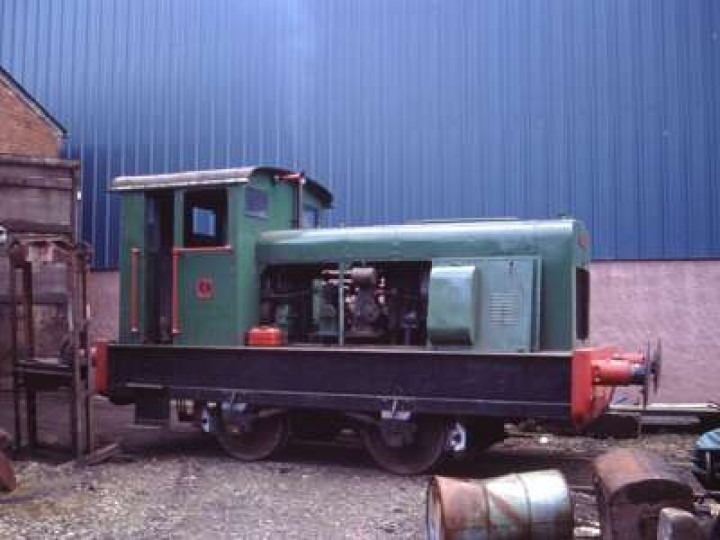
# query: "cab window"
205,218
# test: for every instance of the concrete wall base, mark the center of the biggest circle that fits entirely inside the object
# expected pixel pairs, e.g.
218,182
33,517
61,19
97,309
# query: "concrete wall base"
678,301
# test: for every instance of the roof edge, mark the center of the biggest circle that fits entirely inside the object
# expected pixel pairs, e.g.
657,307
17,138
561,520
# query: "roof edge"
181,179
31,102
211,177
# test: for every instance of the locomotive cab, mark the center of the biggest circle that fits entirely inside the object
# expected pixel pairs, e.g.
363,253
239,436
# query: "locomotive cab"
187,264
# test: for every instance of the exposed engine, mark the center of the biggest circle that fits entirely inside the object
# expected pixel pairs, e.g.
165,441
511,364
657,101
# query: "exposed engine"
382,303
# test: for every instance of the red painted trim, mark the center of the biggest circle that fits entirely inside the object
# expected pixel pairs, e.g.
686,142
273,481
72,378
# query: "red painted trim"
175,300
208,249
595,375
617,370
588,400
99,359
134,289
292,176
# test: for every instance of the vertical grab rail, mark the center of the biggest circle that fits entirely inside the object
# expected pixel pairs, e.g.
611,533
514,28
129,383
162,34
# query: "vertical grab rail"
175,326
134,289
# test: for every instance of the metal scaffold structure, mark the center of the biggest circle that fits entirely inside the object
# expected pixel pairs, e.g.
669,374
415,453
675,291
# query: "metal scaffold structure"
33,374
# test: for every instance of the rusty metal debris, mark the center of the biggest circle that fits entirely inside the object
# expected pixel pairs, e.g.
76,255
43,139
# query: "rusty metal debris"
534,505
632,487
677,524
69,368
8,482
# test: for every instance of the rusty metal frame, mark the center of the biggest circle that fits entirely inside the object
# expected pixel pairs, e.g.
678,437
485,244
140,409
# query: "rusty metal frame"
30,376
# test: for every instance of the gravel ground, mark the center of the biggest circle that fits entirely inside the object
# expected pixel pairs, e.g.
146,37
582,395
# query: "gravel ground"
181,485
207,496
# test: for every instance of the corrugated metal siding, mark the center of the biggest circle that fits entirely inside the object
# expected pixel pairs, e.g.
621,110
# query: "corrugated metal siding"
407,109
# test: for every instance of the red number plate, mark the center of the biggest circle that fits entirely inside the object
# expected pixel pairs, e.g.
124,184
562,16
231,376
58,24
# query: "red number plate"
204,288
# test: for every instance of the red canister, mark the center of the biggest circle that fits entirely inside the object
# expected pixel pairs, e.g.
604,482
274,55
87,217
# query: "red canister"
264,336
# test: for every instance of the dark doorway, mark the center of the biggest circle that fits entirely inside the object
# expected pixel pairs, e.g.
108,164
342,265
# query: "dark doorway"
158,285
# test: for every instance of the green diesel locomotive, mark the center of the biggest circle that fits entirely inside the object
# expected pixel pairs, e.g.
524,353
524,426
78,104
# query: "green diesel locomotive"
426,338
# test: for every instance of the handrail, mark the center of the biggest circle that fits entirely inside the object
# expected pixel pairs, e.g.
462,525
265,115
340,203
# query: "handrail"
175,326
134,289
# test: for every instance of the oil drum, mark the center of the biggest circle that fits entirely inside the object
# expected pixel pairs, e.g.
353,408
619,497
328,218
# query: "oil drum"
533,505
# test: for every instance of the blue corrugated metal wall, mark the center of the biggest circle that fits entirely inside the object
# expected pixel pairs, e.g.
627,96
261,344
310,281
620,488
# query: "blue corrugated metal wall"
406,109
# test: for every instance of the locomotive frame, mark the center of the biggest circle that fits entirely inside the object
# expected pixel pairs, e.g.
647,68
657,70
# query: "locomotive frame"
416,382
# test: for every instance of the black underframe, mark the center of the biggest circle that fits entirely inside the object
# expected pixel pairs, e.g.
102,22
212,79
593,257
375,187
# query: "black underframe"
523,385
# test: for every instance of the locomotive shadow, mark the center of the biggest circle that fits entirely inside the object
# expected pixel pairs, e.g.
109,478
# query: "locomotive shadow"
350,454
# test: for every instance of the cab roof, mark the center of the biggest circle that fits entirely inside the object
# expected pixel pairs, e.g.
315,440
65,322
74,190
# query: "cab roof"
214,177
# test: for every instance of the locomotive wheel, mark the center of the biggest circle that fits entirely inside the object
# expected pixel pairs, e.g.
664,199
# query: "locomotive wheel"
422,451
267,436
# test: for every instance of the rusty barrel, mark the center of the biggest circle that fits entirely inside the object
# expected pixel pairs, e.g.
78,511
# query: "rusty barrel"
533,505
7,475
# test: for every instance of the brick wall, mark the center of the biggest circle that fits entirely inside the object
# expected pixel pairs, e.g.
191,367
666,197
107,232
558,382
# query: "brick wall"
22,130
632,302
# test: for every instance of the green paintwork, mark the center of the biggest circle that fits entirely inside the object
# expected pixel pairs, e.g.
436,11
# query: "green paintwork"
132,213
280,197
504,295
452,305
507,306
223,316
556,243
212,318
545,255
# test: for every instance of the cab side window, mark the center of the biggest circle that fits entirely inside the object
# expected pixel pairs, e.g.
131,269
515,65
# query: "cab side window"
205,218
